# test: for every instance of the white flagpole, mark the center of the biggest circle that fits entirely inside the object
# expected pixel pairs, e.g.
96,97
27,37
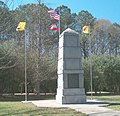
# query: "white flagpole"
91,76
59,22
25,68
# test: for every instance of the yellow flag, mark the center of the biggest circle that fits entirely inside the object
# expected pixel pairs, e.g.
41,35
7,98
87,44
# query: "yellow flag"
85,29
21,26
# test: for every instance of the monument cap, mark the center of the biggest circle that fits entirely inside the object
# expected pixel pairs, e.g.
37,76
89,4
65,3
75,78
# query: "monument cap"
69,31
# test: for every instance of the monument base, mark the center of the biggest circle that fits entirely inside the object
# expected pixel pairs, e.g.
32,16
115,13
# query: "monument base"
70,96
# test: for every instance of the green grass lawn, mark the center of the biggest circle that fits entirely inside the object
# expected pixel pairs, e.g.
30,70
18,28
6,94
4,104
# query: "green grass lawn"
114,101
9,107
13,107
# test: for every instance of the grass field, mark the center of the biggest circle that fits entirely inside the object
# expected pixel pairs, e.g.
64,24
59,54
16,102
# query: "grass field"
12,106
114,101
20,109
9,107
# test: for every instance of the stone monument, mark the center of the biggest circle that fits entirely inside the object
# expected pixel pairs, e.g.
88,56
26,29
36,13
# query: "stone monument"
70,74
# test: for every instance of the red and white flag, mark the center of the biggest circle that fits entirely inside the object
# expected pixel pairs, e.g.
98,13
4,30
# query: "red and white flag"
54,27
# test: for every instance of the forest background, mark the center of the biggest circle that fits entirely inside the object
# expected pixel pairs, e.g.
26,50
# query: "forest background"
42,49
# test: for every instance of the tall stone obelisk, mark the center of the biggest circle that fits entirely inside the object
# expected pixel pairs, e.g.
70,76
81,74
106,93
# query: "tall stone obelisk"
70,74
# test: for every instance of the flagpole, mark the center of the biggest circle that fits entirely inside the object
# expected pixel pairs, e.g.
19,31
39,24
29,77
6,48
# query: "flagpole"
91,77
25,68
86,29
59,22
21,27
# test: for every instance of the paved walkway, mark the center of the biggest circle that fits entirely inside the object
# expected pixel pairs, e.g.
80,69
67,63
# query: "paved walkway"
91,108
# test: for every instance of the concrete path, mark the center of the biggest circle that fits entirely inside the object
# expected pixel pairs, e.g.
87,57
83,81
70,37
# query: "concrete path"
91,108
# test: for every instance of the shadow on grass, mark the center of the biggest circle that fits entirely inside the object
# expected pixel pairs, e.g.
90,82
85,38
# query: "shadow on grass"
112,104
45,112
18,113
22,98
97,102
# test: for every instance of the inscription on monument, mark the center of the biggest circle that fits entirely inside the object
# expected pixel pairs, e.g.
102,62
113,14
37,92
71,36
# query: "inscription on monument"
73,80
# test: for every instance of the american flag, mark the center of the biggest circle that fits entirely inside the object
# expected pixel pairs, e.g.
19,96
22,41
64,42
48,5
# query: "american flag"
54,15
